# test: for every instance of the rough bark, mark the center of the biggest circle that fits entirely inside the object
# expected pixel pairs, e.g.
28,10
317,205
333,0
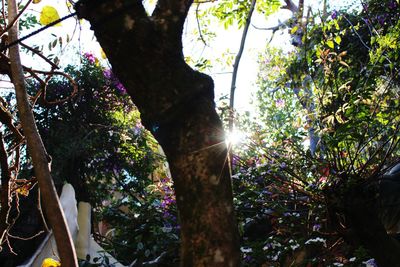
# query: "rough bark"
37,151
177,106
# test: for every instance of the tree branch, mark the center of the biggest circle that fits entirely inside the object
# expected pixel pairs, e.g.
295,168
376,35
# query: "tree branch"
236,63
6,119
37,152
291,6
5,191
37,52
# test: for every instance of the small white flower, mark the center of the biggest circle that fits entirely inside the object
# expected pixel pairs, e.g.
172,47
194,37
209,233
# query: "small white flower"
294,247
316,240
275,258
246,250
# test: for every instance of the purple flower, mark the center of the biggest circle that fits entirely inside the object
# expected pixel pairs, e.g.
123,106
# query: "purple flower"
235,161
90,57
137,131
381,19
316,227
370,263
120,88
392,4
248,258
334,14
108,74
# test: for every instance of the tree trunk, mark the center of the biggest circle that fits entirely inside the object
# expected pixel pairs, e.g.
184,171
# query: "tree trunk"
177,105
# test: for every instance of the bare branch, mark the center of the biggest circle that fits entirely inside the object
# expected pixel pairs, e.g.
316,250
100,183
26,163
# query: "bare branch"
289,5
273,28
236,63
5,191
6,119
59,101
198,25
37,52
37,151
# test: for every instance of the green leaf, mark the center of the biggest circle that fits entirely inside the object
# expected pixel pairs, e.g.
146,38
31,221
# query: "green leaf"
338,40
294,29
330,44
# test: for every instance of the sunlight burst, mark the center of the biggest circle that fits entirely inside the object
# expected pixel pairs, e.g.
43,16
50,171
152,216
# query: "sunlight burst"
234,138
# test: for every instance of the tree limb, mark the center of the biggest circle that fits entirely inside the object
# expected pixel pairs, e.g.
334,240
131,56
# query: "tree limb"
236,63
37,152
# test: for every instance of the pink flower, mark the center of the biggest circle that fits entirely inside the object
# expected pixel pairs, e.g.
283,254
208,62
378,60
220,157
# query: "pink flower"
323,179
90,57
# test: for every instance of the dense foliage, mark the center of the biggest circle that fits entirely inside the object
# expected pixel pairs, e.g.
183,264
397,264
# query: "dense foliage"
328,128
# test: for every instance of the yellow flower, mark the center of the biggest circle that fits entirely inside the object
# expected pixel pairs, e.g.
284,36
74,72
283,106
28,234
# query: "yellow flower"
48,15
49,262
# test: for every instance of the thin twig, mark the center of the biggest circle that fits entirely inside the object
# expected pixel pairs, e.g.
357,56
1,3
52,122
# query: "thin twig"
198,25
37,52
356,32
5,196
